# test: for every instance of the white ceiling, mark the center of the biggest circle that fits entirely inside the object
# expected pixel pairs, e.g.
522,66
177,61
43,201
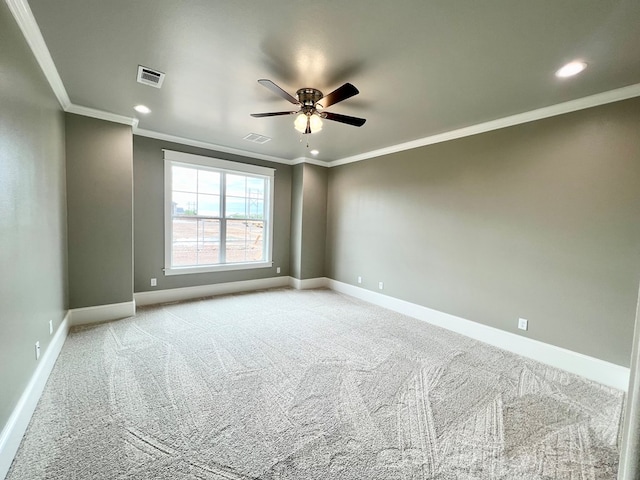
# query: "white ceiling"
423,67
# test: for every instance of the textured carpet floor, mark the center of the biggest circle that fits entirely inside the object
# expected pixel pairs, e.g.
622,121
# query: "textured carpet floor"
288,384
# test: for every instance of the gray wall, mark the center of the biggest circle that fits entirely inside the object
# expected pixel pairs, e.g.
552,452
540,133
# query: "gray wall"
539,221
33,284
314,221
149,218
308,221
297,200
100,209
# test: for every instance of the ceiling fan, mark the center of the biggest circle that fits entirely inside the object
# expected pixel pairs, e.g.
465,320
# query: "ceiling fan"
312,104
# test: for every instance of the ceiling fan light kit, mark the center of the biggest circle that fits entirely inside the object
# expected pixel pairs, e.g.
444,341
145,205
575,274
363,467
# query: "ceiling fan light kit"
307,123
311,104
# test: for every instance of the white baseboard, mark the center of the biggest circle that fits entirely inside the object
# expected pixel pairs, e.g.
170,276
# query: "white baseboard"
592,368
319,282
188,293
589,367
101,313
18,422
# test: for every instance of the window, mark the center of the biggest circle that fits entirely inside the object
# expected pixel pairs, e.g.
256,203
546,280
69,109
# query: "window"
218,214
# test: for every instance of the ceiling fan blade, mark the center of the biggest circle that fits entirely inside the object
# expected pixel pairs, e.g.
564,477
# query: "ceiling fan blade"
277,90
271,114
339,94
355,121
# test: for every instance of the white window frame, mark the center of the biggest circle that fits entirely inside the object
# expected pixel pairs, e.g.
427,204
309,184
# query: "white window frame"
172,158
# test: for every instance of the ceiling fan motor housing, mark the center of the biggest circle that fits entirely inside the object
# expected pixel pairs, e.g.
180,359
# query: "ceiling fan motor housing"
308,98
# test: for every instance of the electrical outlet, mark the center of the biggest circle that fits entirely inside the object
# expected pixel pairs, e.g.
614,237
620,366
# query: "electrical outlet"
359,279
154,282
50,327
523,324
380,285
37,350
277,269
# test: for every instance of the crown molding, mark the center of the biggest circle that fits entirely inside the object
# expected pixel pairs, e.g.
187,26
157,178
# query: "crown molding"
209,146
311,161
102,115
23,15
603,98
26,21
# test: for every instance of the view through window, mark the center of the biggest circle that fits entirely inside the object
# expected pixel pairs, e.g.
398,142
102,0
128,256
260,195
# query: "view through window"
217,216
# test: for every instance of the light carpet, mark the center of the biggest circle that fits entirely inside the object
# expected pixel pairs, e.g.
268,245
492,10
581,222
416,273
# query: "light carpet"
287,384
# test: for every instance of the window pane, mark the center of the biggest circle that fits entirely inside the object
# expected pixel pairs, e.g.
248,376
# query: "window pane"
245,208
208,182
185,230
236,207
256,209
255,188
255,196
185,242
245,241
184,179
209,231
184,254
195,241
236,185
245,197
208,241
209,205
184,203
209,254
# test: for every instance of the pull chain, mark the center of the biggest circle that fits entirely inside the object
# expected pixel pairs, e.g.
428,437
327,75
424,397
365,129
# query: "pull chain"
303,136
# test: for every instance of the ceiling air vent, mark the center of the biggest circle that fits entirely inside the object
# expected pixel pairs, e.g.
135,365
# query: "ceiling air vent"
255,138
148,76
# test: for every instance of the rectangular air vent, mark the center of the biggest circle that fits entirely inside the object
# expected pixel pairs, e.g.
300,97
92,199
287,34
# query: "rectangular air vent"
255,138
148,76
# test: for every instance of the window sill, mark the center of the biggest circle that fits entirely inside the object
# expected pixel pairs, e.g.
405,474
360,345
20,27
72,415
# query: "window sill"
227,267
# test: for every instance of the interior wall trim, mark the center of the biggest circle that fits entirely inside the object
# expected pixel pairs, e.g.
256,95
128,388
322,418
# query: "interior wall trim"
189,293
102,115
312,161
101,313
18,422
26,21
209,146
309,283
592,368
603,98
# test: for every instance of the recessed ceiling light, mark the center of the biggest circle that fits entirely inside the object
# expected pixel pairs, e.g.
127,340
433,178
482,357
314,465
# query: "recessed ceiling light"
571,69
142,109
314,152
